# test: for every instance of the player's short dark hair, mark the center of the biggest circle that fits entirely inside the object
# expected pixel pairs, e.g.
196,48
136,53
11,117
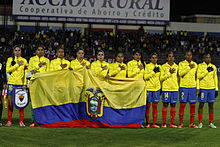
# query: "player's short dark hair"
40,46
59,47
170,52
100,51
187,51
116,54
16,46
137,51
80,49
154,53
207,53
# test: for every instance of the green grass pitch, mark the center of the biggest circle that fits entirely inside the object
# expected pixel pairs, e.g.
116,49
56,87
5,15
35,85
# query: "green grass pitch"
16,136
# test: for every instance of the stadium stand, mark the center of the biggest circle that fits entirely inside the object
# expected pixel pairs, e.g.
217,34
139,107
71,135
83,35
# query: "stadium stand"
109,42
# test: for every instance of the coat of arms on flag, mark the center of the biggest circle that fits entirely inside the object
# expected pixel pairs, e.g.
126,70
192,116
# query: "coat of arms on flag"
20,99
94,102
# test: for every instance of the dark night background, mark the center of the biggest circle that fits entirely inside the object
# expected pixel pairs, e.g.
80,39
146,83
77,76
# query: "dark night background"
180,7
189,7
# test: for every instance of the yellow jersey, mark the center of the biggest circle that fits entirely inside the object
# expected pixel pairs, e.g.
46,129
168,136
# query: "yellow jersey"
56,64
169,81
207,80
152,78
116,71
97,67
75,64
17,73
187,75
133,70
34,64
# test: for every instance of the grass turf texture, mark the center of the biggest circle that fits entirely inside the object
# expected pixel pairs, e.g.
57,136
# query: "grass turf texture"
37,136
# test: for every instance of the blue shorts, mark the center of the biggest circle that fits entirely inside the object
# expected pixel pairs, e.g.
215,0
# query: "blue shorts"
153,96
11,89
169,96
187,95
207,96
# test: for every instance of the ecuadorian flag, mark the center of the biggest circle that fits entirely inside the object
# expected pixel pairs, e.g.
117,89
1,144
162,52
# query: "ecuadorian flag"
84,99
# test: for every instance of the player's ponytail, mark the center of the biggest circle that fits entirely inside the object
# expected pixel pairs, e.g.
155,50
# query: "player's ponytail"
13,61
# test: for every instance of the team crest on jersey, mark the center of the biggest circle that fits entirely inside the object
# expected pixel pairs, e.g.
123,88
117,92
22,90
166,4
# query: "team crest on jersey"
94,102
20,99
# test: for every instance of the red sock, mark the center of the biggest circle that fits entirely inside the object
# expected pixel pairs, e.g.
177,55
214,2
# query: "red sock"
181,112
172,114
21,113
10,112
200,115
154,105
192,112
164,114
148,113
211,116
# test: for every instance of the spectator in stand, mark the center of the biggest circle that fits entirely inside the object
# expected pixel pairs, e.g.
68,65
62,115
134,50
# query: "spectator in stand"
3,86
107,41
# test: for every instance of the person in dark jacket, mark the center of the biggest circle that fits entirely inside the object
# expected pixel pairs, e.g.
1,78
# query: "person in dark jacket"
3,85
